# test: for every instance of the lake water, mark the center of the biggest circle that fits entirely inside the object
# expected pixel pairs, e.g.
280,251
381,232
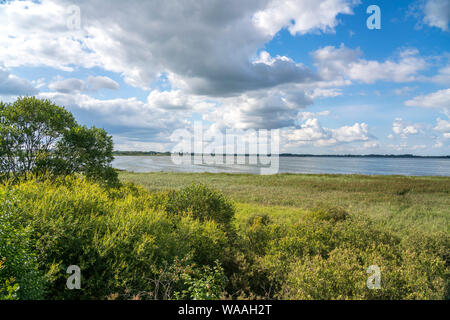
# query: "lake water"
336,165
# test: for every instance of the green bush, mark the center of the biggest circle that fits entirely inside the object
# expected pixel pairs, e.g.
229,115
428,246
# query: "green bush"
326,212
118,240
321,259
19,274
202,203
205,283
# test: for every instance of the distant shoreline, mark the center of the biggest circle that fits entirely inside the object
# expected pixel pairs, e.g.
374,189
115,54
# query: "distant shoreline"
400,156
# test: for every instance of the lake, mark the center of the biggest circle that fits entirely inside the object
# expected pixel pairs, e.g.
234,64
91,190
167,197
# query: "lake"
332,165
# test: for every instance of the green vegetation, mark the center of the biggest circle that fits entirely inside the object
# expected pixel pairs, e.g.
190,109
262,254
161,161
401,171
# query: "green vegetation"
280,237
39,137
396,203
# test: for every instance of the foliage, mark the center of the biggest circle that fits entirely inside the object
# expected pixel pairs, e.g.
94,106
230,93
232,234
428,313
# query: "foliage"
327,212
38,136
188,244
120,243
205,283
202,203
19,274
325,259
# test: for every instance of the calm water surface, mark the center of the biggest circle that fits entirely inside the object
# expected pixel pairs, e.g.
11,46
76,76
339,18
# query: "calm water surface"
371,166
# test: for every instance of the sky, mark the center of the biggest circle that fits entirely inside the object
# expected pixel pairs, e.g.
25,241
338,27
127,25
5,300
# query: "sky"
311,68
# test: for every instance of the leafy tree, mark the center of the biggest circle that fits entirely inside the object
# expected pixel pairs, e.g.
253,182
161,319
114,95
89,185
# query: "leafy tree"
29,129
38,136
88,151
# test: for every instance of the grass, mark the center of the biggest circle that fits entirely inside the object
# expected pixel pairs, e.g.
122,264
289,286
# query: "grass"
398,203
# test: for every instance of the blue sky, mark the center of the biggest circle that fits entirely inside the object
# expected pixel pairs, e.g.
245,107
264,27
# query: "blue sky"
311,68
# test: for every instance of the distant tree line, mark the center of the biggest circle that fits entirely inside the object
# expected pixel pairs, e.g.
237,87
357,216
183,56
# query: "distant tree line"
167,153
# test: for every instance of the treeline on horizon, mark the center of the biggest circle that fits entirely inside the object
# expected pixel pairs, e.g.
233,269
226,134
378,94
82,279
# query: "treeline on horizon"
167,153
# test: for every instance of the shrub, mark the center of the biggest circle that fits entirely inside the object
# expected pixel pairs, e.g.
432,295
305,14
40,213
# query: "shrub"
202,203
19,274
205,283
327,212
321,259
119,242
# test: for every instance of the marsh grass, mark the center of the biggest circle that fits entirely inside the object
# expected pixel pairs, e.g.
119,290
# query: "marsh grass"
398,203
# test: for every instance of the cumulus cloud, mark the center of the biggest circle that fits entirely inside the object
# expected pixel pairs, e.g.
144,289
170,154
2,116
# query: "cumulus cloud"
357,132
101,82
437,14
403,129
11,85
311,115
128,118
261,109
177,100
73,85
439,99
443,76
301,17
443,126
333,62
313,133
207,47
67,85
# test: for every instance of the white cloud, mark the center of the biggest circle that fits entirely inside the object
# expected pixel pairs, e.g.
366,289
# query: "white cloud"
73,85
437,14
439,99
442,125
357,132
399,127
67,86
177,100
301,17
311,132
311,115
11,85
267,109
128,117
333,62
101,82
443,76
36,34
208,48
318,93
